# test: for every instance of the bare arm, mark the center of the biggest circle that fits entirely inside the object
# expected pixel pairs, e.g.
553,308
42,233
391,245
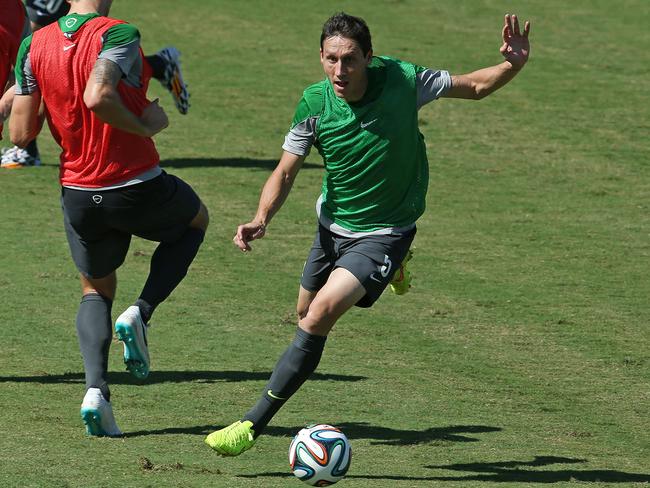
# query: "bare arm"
515,49
5,103
24,123
479,84
274,193
101,96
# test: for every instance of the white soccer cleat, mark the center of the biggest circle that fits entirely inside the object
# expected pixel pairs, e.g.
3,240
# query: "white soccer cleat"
97,414
16,157
173,78
132,331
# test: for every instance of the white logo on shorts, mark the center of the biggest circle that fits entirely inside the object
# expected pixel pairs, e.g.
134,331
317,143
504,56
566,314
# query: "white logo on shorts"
97,199
388,265
366,124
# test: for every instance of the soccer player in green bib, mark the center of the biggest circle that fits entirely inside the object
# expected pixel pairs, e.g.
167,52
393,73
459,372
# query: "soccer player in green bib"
363,120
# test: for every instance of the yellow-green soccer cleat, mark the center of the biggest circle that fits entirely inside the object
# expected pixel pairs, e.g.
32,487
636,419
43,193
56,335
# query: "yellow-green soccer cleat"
401,281
232,440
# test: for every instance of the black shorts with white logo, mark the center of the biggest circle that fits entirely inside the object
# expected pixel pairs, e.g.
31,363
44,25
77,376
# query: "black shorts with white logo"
372,259
99,224
44,12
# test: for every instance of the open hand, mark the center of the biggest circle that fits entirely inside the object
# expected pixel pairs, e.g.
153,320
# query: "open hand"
515,46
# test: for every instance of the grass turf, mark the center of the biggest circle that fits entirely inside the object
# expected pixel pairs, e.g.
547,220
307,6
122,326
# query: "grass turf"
519,358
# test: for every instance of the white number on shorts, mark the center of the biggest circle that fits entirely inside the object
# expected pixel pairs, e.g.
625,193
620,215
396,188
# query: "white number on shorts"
385,269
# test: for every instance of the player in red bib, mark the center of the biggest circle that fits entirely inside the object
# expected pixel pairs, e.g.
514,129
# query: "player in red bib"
165,67
90,72
13,23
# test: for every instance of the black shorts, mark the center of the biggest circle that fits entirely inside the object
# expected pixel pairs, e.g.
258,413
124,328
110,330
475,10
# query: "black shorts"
44,12
372,259
99,224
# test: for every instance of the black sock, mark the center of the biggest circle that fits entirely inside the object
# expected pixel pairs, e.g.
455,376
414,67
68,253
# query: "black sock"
169,265
95,331
146,310
157,66
293,368
32,149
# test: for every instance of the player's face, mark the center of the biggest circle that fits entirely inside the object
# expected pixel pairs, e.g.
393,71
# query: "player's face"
345,65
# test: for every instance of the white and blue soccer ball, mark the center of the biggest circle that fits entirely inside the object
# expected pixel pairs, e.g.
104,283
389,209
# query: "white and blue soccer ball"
320,455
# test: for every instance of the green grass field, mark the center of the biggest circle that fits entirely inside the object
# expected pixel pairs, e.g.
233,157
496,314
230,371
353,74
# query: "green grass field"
521,356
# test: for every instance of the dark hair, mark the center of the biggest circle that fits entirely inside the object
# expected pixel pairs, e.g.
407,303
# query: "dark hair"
350,27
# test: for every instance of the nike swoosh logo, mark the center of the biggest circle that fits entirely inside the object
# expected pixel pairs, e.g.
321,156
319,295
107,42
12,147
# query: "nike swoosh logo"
372,277
364,125
65,48
270,393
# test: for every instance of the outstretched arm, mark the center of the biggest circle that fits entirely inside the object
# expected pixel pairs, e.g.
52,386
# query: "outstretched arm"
273,195
515,49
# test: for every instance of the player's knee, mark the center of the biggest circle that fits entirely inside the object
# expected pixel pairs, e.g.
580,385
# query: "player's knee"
302,307
319,318
105,287
302,310
202,218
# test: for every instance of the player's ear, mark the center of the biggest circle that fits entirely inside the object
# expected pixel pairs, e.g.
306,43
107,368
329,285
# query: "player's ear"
369,57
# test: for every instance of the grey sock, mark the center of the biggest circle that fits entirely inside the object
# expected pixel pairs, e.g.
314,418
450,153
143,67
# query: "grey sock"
95,331
293,368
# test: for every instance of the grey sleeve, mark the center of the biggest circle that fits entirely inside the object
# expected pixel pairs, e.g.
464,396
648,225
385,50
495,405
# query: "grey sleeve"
432,85
301,137
127,57
29,84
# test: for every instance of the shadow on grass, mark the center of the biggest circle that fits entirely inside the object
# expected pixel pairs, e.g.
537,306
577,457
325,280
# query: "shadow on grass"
394,437
268,164
124,378
510,471
505,472
354,430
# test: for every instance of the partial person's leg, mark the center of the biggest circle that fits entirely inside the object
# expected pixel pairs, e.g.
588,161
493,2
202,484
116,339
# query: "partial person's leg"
169,264
97,251
157,65
17,157
95,331
341,292
165,66
167,210
401,282
301,358
305,298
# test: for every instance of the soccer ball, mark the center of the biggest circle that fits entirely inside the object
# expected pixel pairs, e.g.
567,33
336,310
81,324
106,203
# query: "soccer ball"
320,455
